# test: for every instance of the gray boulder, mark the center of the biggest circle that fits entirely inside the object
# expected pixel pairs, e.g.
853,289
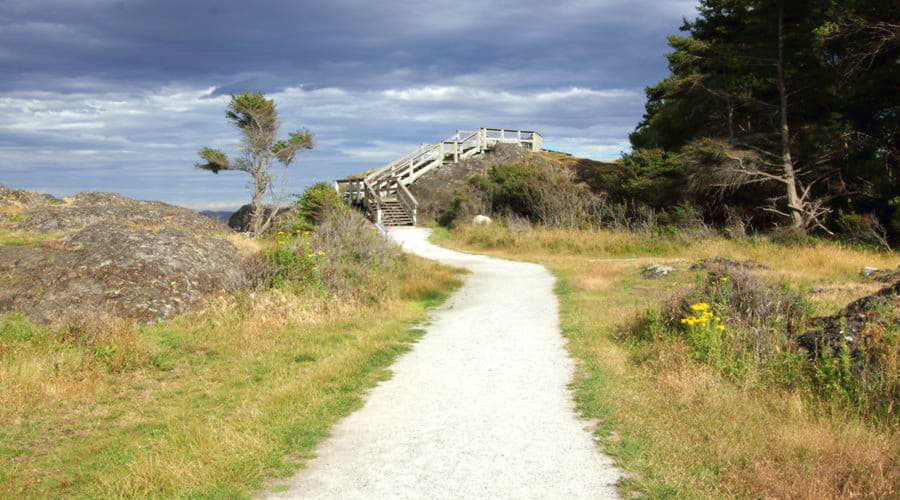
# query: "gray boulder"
657,270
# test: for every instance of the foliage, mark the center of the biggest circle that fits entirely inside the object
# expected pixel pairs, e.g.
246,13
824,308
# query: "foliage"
544,194
839,67
315,201
256,118
345,256
510,187
456,210
359,262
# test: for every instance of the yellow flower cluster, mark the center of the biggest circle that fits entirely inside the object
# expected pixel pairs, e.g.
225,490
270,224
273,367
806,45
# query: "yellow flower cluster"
282,237
703,316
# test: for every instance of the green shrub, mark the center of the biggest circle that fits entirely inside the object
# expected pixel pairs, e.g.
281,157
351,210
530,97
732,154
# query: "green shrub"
455,210
292,261
314,202
548,195
344,257
510,187
355,259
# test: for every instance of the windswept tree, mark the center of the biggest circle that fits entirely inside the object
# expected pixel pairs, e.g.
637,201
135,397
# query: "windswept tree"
257,120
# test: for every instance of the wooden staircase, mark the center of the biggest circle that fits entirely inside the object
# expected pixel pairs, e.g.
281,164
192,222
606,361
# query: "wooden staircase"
395,214
383,193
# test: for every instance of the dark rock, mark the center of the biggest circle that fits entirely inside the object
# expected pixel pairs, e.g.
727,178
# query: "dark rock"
724,262
218,215
848,327
107,254
881,275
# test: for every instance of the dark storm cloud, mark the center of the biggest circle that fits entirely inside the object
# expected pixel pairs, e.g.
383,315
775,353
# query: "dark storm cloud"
120,93
332,43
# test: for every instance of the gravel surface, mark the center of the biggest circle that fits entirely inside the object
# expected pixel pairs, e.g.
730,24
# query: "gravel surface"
479,409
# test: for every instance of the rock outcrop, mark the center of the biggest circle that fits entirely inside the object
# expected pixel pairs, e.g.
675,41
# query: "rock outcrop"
855,326
103,253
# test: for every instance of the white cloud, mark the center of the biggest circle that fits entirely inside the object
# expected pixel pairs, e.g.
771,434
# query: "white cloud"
145,143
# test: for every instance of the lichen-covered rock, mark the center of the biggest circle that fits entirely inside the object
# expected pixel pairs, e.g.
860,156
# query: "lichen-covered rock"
107,254
85,209
881,275
19,198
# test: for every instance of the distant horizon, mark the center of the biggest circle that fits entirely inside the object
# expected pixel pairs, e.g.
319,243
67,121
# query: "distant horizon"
113,96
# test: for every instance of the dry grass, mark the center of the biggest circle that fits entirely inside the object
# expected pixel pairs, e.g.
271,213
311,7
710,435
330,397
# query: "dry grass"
206,405
825,260
246,245
678,427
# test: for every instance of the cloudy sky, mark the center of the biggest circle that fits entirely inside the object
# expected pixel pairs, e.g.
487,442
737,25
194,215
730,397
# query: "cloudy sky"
118,95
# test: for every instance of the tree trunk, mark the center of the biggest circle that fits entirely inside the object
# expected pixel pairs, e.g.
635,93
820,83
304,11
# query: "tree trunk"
730,122
790,178
258,210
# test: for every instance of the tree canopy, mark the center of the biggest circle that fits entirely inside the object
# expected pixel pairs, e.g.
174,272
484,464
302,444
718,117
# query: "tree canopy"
256,118
830,68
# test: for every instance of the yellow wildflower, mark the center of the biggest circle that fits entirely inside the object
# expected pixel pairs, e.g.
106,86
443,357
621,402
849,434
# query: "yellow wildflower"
321,253
720,328
700,307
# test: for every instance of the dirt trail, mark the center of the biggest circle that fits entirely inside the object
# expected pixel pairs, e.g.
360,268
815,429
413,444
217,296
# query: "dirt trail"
479,409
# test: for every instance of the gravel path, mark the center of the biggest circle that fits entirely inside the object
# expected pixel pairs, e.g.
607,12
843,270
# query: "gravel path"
479,408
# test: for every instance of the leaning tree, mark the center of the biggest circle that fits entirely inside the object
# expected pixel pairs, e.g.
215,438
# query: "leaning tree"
257,120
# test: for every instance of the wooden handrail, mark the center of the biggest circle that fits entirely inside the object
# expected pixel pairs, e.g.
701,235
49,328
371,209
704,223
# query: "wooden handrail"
404,195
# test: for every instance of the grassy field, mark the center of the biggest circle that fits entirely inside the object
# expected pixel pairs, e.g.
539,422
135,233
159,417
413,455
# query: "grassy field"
207,405
679,427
